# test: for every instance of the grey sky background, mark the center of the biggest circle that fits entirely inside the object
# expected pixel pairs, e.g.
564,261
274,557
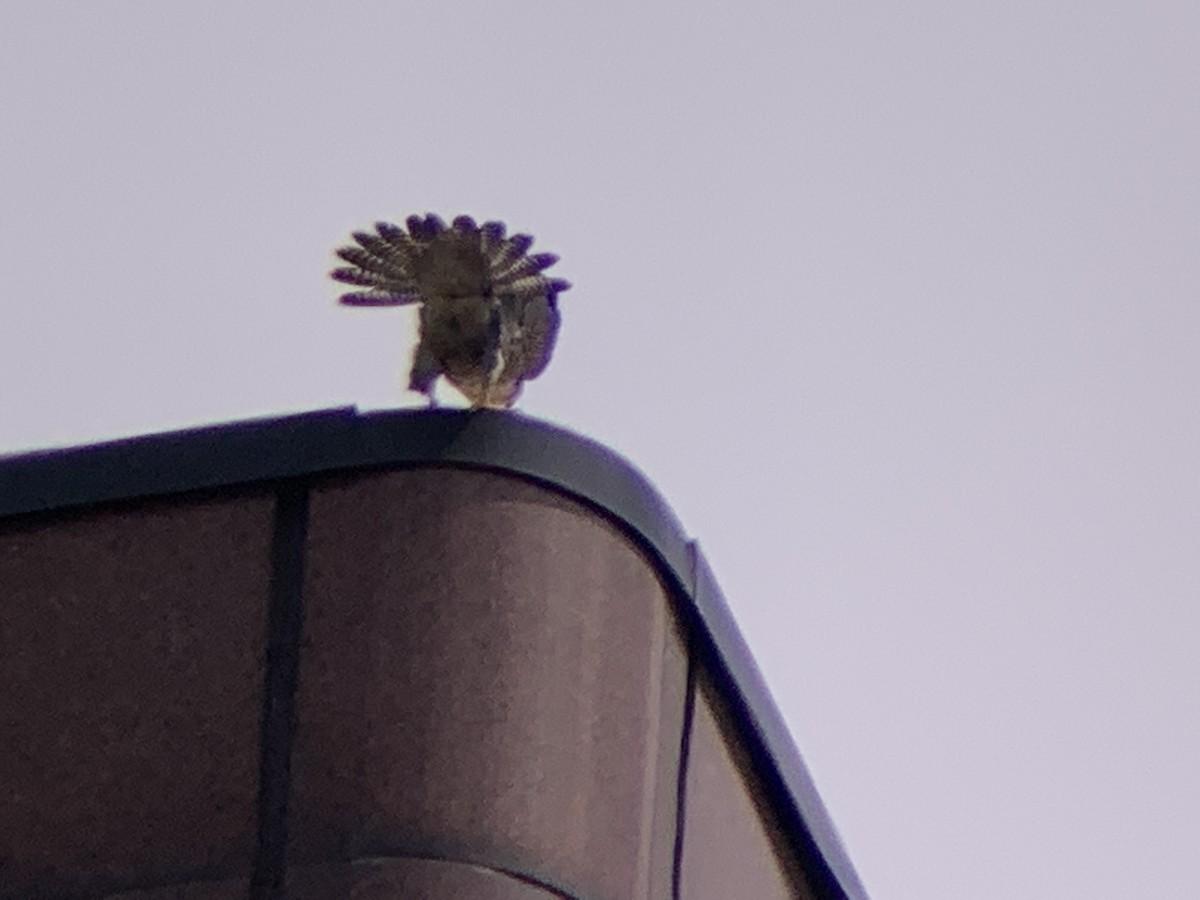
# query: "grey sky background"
897,306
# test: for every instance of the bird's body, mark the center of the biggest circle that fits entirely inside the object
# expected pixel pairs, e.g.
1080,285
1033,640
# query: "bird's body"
488,319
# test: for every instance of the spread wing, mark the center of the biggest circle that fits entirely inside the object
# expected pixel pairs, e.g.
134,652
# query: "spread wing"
529,341
460,273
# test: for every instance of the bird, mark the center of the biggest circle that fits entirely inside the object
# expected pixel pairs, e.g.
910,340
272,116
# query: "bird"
488,317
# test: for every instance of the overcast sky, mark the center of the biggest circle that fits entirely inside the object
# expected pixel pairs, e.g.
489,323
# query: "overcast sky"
896,304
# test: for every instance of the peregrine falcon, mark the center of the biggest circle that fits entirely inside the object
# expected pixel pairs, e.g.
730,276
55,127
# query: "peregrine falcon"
488,316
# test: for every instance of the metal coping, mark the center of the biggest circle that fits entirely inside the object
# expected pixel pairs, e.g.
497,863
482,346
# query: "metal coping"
300,446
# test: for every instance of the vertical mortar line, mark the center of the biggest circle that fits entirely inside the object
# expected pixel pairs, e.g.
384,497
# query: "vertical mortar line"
685,743
685,738
285,622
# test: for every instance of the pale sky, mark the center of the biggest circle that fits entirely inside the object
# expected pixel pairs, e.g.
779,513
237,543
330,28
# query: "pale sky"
896,304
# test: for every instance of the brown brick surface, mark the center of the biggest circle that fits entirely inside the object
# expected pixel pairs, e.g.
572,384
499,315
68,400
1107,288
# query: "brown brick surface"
373,879
223,889
130,651
491,672
731,845
410,879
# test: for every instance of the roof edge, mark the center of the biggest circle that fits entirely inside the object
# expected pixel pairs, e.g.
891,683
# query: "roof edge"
309,444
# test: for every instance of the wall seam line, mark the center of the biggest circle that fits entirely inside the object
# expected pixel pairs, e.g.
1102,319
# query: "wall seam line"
285,625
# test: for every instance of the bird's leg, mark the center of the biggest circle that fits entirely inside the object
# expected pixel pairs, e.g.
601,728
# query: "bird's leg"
425,371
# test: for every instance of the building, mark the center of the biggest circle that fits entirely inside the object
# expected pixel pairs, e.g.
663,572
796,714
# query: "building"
402,655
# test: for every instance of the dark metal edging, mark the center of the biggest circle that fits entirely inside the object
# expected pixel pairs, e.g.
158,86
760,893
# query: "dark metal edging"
773,751
309,444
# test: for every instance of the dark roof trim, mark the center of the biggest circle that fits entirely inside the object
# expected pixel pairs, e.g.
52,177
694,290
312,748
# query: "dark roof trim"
271,450
772,750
